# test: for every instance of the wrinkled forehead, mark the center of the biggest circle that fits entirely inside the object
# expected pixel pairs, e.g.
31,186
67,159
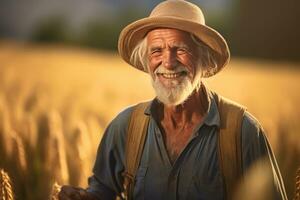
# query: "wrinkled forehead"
179,37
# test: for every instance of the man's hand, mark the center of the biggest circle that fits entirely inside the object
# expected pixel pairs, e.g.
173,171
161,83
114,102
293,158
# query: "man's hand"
74,193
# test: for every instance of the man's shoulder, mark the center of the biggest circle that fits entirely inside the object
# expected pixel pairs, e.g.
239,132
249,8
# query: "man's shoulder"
122,118
226,102
252,130
117,128
250,123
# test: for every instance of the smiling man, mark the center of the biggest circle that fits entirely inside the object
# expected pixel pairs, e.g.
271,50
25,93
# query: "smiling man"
172,63
172,58
189,142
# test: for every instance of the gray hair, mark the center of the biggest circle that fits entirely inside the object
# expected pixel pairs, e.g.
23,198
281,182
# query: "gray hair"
139,54
207,57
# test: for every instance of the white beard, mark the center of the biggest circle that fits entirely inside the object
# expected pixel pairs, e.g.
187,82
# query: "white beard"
177,92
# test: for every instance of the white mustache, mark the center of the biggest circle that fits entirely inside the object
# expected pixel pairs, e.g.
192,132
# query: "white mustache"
162,70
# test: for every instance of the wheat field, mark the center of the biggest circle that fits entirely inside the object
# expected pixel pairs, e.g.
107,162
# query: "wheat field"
56,101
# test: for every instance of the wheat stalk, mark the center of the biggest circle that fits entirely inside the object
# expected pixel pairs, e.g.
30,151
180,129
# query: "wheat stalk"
51,137
59,159
79,147
6,192
297,189
55,191
19,152
5,127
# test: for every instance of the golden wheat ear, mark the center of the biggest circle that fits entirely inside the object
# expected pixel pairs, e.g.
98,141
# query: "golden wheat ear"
55,190
297,189
6,191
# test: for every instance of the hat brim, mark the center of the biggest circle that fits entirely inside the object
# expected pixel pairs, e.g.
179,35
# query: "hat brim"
132,34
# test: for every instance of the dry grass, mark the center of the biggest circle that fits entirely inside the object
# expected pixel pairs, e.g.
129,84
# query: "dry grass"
297,186
6,191
55,191
55,103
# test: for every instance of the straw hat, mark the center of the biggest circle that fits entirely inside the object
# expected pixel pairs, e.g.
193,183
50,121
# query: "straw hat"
178,14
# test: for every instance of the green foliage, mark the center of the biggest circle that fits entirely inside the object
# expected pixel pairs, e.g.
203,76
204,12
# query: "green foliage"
97,33
104,34
51,30
100,35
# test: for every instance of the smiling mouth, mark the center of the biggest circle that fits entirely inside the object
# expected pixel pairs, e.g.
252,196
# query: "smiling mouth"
172,75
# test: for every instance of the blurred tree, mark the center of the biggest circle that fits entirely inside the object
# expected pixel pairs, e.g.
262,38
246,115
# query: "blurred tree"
53,29
100,35
104,34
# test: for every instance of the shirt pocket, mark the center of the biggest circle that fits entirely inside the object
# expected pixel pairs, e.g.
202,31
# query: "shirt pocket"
202,189
139,187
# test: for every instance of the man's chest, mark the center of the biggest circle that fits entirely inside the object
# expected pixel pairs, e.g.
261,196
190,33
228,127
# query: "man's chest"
194,174
175,140
177,137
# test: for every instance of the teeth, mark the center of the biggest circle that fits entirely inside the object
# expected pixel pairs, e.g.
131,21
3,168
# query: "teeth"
172,75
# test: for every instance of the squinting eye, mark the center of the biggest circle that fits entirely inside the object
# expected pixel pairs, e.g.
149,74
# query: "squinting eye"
181,50
155,52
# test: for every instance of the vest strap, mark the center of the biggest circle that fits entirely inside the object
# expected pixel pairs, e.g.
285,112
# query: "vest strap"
136,135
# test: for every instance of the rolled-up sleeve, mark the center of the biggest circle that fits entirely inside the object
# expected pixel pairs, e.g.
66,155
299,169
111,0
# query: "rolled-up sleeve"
106,181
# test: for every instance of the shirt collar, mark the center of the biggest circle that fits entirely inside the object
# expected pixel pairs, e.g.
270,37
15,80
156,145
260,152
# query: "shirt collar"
149,107
212,117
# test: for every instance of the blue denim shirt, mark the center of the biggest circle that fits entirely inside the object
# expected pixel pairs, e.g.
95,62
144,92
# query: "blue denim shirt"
194,175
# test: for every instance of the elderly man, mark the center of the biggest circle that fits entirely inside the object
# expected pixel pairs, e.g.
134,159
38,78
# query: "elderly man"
193,143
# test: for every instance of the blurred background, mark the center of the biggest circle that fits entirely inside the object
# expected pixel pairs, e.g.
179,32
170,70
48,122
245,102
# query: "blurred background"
62,82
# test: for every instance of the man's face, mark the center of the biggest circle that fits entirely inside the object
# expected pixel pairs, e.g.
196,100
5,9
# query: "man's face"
172,64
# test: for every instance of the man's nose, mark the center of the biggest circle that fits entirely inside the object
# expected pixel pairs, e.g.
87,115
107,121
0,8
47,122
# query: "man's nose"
169,59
